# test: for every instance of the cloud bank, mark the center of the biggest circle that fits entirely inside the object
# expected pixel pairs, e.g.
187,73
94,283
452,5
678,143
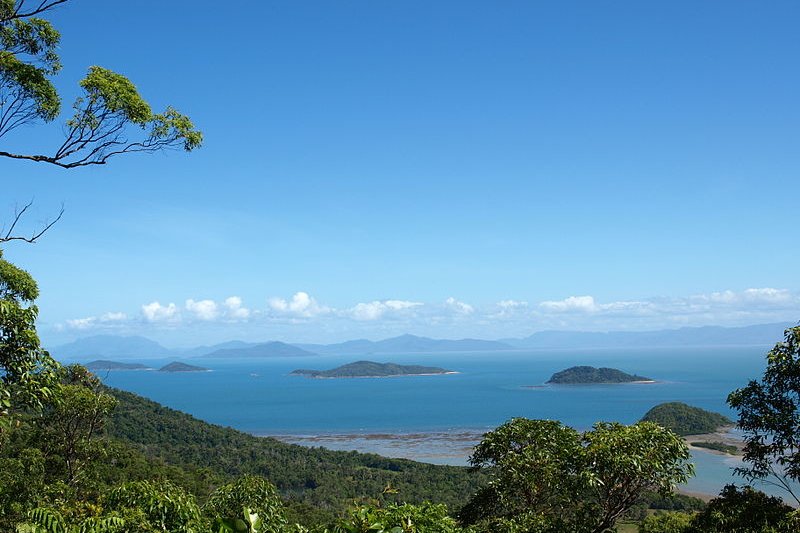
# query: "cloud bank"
506,317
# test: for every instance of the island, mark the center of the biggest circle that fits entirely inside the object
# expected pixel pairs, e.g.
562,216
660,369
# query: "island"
371,369
102,364
589,375
685,420
181,367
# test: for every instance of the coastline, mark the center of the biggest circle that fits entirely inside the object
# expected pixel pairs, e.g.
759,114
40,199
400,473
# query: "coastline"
723,435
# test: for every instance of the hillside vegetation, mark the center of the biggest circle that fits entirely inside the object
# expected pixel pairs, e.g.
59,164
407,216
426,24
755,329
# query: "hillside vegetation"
685,420
315,476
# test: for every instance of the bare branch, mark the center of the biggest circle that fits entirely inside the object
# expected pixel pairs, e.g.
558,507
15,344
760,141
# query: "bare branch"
43,6
7,236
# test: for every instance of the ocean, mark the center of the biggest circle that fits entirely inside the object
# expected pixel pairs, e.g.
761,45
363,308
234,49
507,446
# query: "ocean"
438,418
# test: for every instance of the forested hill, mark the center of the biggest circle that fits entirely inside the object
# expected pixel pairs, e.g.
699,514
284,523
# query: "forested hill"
315,476
685,419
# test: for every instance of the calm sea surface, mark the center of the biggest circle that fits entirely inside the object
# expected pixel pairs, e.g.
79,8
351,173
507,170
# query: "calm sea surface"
438,418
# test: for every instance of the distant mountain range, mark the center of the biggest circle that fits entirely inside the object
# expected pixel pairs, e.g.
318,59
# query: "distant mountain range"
118,347
407,344
762,334
267,349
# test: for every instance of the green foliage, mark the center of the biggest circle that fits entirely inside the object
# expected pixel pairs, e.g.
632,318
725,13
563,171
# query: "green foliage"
769,414
44,520
71,428
22,483
27,58
255,494
109,119
684,419
396,518
745,510
716,445
548,477
27,372
161,506
665,523
321,478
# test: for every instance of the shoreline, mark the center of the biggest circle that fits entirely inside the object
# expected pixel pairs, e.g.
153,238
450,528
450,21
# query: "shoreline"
723,435
452,447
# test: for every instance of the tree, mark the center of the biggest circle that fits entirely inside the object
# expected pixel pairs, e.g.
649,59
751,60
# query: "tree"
27,372
769,414
71,428
231,505
745,510
398,518
109,119
549,477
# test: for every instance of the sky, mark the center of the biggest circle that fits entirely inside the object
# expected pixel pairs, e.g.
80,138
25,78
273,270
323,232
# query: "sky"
450,169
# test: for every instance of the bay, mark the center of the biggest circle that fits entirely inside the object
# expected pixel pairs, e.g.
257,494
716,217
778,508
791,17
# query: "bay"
438,418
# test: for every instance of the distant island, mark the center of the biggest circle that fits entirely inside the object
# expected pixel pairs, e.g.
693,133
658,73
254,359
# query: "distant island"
585,375
181,367
685,420
101,364
371,369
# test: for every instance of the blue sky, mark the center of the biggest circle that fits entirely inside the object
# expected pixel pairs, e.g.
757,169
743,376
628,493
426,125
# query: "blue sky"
451,169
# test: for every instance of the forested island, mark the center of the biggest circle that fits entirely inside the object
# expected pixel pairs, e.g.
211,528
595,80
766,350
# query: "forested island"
585,375
684,419
371,369
102,364
181,367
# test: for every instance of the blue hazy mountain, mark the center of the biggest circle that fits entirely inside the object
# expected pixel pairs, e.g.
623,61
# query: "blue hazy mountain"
204,350
758,335
134,347
408,344
267,349
110,347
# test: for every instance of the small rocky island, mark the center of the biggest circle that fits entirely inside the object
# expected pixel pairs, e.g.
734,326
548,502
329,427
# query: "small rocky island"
589,375
181,367
371,369
103,364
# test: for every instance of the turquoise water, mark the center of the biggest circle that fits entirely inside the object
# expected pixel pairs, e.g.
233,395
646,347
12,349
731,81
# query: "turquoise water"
258,396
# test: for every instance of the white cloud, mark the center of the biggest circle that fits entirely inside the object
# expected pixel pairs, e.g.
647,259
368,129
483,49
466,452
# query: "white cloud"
113,317
512,304
377,309
301,305
234,308
104,320
155,312
573,303
761,296
459,307
82,323
203,310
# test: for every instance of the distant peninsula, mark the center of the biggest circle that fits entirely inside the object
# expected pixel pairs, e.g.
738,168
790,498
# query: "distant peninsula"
589,375
685,420
371,369
102,364
181,367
